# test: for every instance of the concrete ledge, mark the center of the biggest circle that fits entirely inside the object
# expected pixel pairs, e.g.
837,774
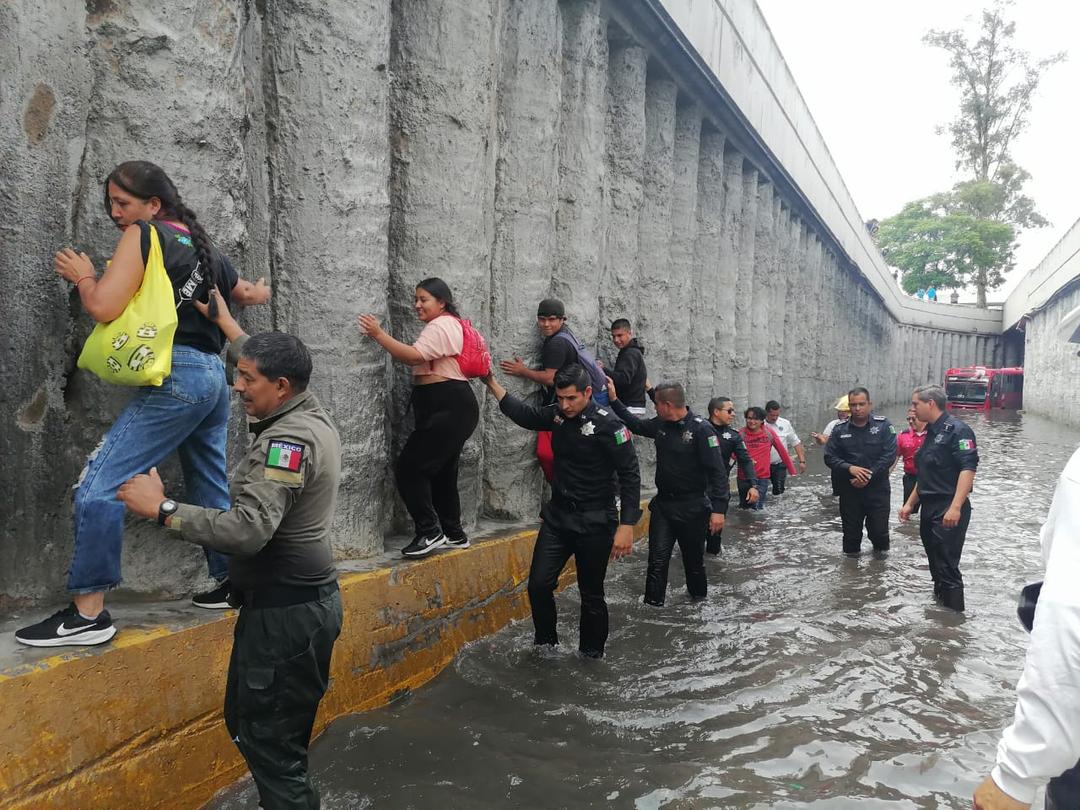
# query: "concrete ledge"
139,724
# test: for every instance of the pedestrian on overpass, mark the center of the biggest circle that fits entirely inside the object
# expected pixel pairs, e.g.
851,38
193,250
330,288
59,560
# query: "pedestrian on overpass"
945,473
692,488
592,449
860,453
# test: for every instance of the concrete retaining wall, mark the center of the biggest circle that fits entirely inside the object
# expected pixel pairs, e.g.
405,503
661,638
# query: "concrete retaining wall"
1032,314
590,150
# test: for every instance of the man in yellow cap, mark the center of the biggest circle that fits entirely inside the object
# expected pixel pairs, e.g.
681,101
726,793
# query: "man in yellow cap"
843,413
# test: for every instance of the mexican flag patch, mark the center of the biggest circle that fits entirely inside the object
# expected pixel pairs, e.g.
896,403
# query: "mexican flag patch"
714,442
966,444
285,456
622,436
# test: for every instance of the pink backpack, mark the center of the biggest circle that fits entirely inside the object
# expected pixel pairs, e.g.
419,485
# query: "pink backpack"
475,359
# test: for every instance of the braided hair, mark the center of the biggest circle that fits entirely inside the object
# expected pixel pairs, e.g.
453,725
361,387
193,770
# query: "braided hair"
145,180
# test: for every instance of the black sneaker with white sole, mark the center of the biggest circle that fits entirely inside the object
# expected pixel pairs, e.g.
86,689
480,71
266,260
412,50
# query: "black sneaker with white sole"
217,599
66,627
423,544
457,542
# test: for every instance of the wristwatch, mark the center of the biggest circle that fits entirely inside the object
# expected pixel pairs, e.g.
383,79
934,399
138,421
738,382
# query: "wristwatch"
166,510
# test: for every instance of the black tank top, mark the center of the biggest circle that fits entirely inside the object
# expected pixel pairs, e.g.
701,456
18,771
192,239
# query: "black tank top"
190,282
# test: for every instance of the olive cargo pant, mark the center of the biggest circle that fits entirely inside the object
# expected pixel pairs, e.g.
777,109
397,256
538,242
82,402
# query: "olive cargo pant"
278,673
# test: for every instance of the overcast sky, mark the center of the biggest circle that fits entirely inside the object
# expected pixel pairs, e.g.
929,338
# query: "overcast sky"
877,94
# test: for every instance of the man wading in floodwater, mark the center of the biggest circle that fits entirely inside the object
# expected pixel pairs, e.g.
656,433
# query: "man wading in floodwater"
281,568
590,447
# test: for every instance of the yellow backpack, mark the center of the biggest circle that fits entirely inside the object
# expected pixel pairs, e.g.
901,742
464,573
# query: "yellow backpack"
136,348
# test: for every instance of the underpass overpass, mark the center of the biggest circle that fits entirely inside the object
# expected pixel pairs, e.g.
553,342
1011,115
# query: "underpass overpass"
640,159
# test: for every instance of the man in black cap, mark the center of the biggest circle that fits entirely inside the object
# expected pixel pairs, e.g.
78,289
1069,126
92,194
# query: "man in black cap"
560,348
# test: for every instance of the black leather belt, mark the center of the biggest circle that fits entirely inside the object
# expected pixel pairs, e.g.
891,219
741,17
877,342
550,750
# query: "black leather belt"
273,596
568,505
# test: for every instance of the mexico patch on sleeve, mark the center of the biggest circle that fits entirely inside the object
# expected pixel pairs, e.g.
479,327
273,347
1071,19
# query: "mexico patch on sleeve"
284,462
714,442
622,436
966,444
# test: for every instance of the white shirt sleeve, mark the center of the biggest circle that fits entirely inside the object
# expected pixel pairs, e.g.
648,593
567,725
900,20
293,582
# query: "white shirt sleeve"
1044,738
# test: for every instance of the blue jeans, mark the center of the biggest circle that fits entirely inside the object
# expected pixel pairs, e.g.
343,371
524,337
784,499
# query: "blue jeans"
188,413
762,487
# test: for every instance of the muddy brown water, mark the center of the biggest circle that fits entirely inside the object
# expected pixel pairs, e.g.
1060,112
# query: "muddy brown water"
806,679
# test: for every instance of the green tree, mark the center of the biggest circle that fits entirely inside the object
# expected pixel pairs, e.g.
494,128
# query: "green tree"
936,242
965,237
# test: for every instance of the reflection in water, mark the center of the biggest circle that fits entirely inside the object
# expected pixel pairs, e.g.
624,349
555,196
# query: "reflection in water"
806,678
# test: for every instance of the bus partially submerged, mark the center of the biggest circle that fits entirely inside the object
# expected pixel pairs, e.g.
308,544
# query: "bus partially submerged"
978,388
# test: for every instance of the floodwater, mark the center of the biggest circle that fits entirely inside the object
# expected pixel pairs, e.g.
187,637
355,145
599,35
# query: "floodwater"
806,679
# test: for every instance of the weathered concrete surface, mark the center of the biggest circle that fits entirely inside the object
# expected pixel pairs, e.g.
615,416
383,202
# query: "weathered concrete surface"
140,724
518,149
1032,315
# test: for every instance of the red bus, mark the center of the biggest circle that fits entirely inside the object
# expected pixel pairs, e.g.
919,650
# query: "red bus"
977,388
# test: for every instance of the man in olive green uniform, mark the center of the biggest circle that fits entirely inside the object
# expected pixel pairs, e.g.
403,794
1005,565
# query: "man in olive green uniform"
280,566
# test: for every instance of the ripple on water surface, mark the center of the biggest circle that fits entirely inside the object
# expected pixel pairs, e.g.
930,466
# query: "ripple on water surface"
805,680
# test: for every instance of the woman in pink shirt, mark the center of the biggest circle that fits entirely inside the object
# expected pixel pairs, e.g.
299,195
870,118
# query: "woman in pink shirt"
759,439
908,444
446,414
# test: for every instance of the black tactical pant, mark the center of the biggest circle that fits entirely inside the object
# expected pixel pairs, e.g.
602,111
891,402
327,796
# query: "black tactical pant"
778,475
868,506
587,536
278,673
943,548
1063,792
672,522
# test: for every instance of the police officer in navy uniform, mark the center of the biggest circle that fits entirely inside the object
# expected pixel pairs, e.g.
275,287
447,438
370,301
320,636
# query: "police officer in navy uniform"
691,483
860,453
945,473
591,449
281,567
732,451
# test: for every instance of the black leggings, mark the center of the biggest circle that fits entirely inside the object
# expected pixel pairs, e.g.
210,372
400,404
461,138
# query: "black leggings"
427,469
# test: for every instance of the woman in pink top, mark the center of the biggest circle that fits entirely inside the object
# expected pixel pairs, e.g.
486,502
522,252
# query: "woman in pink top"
908,444
446,414
759,439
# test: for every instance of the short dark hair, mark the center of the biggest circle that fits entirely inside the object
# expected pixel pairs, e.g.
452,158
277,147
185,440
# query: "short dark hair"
621,323
717,404
277,354
670,392
931,393
858,390
572,374
772,405
755,411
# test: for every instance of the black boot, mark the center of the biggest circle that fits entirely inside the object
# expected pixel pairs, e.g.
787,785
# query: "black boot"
953,598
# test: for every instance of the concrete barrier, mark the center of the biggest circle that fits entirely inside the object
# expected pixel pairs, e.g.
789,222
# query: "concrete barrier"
138,724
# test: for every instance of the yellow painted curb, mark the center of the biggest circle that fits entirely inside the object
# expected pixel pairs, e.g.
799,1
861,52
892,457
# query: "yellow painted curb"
139,724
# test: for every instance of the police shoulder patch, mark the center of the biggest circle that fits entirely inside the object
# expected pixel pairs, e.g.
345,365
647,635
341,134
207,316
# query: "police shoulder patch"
284,461
713,441
879,418
601,411
966,444
622,435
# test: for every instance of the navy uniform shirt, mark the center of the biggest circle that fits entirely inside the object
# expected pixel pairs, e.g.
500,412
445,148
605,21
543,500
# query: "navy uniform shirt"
733,446
590,450
949,448
872,446
688,461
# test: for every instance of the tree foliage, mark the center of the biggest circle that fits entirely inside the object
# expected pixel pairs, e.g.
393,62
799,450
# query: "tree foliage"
938,242
965,236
